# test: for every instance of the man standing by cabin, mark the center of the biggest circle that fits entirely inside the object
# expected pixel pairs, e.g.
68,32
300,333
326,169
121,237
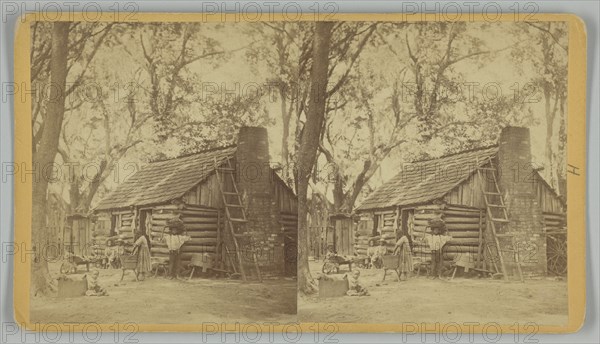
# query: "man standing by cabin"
175,237
436,241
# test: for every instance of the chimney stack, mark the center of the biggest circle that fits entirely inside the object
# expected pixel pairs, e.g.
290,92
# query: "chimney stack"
514,160
518,183
255,184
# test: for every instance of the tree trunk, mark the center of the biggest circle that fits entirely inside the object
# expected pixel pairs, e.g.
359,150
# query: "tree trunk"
550,115
339,196
309,142
562,144
43,158
285,116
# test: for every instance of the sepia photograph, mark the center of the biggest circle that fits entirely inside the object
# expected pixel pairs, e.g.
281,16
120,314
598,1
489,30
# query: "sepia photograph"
437,191
171,200
340,171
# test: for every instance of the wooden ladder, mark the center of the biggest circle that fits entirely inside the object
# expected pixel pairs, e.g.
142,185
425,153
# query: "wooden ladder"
235,215
497,214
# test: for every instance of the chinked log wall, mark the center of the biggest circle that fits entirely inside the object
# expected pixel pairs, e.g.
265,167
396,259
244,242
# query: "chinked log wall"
554,223
365,229
124,219
289,222
466,226
201,223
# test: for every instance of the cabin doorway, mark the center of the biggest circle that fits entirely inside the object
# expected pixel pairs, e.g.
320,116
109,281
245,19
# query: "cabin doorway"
406,222
144,221
145,225
114,219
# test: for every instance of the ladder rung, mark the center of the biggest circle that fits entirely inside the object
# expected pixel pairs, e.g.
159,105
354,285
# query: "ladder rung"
233,205
504,235
496,206
230,193
499,220
486,168
237,220
226,169
492,193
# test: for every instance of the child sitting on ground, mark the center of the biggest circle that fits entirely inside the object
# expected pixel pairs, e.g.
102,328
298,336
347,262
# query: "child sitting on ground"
354,287
94,289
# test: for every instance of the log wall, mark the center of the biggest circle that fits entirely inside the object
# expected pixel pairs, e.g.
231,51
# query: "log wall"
554,222
387,222
465,224
289,221
124,219
201,223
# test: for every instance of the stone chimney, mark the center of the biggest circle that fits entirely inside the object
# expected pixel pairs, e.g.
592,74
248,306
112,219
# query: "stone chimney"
255,184
516,178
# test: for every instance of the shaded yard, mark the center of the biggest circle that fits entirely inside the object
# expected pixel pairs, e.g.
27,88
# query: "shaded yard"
159,300
420,299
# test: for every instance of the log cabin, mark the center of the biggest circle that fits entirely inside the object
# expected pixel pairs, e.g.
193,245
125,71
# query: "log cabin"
494,201
190,187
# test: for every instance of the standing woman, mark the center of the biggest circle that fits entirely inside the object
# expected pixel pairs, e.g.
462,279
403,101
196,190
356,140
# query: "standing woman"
402,249
142,246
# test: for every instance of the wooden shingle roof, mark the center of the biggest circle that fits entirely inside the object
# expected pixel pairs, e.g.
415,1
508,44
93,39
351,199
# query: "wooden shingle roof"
162,181
424,181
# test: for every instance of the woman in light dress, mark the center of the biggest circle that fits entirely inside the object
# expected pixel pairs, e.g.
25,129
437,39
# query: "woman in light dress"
141,247
402,249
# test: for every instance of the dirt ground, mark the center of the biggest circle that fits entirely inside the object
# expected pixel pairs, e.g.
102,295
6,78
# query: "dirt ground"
160,300
420,299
